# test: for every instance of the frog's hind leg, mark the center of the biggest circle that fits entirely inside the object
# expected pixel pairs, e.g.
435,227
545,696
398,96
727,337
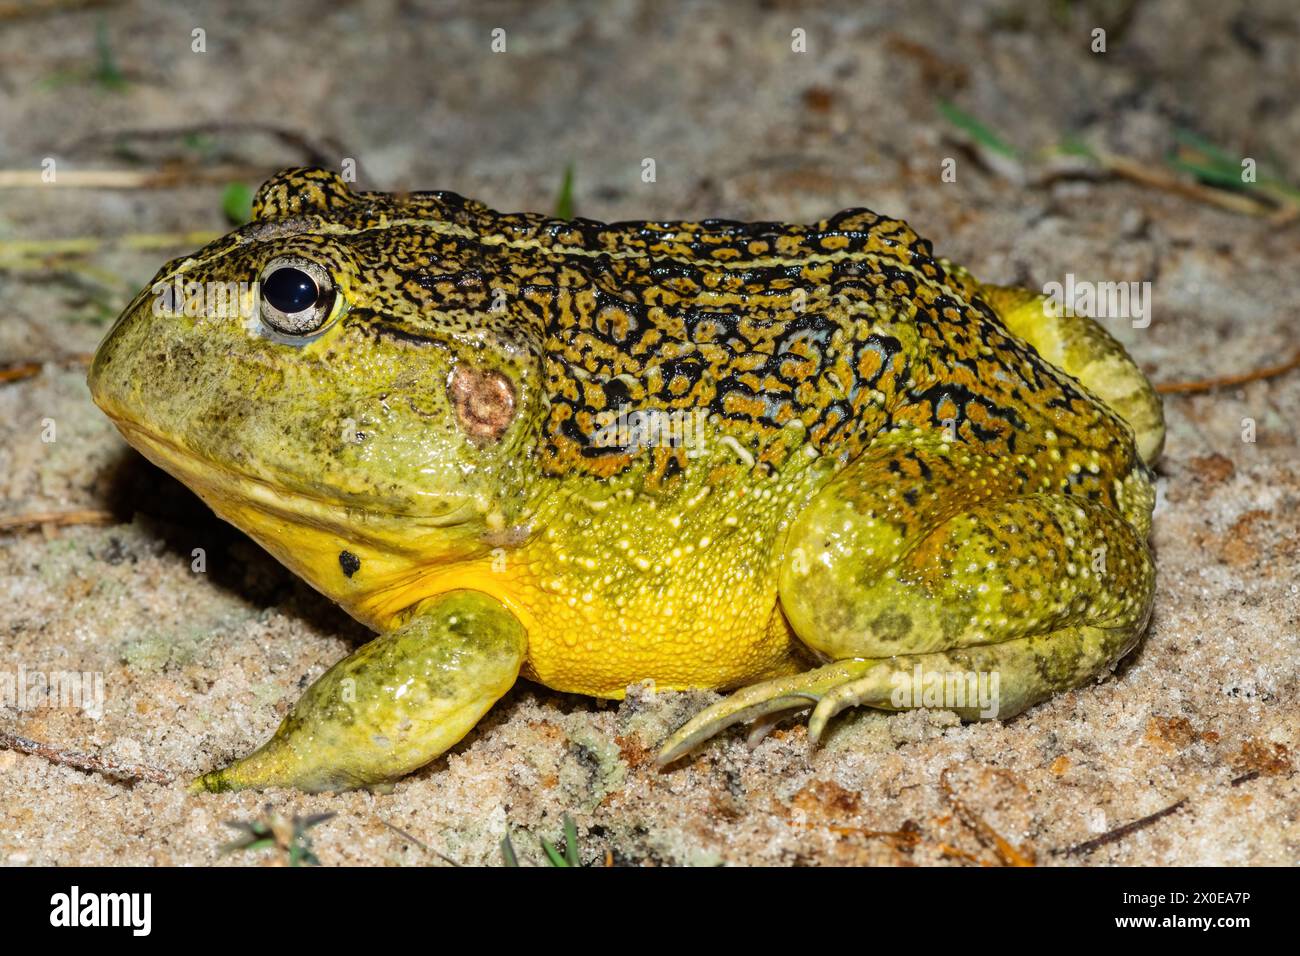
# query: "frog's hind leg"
1085,350
935,577
978,683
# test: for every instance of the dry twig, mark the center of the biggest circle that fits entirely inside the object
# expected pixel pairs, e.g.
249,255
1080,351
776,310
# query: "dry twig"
1227,381
92,763
58,518
20,371
1159,179
326,153
165,178
1110,836
1008,853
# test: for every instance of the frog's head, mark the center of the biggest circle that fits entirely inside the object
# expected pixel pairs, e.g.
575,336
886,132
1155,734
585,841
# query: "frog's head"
344,377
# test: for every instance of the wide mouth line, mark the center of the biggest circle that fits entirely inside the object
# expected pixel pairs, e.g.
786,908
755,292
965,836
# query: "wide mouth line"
268,496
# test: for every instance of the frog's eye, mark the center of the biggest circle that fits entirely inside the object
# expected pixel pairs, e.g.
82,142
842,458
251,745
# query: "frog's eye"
297,296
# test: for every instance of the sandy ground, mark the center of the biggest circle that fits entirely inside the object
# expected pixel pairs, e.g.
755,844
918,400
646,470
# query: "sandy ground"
198,668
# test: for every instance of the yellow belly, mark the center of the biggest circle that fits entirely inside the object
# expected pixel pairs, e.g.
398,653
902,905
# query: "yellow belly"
597,649
693,634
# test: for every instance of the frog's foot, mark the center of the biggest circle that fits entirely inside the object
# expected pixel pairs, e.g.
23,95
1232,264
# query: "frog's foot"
993,681
394,705
933,580
793,692
889,684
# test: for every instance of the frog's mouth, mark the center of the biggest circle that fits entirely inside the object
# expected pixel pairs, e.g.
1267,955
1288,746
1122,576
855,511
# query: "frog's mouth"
226,489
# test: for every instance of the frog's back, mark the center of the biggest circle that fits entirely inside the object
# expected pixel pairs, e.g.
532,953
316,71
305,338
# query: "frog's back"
848,326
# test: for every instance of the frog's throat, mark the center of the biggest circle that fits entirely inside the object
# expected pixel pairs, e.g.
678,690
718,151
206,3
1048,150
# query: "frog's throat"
376,564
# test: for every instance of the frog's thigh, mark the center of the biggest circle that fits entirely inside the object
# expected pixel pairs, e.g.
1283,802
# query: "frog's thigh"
871,580
394,704
1042,591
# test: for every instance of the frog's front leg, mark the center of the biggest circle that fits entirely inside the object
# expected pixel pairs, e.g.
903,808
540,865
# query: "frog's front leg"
393,705
927,571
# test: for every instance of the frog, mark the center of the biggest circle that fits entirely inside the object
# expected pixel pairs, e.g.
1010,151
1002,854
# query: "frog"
805,466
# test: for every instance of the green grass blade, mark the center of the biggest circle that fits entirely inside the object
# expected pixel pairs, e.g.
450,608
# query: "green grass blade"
553,854
564,202
508,851
571,841
106,74
237,203
977,131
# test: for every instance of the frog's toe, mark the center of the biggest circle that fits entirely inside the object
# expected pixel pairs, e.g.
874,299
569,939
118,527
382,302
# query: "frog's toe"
873,687
760,700
717,718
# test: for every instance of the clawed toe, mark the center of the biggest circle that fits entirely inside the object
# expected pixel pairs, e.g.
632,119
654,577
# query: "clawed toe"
820,687
713,720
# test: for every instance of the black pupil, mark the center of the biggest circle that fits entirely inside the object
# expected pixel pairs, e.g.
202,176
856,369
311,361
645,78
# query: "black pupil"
290,290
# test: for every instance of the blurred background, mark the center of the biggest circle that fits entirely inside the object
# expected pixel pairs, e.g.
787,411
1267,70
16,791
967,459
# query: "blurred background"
1102,139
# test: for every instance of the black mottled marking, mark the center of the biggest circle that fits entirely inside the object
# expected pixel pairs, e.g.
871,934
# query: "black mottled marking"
349,562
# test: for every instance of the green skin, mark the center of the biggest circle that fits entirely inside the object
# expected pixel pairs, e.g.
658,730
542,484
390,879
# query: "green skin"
923,551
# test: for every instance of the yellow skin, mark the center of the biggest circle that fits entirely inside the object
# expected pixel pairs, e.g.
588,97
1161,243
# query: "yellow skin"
834,448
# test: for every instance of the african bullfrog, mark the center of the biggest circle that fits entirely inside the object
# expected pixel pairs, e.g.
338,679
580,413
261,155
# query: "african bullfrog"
814,462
